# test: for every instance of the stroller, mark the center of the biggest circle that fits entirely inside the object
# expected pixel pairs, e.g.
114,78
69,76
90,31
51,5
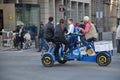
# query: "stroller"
27,41
27,44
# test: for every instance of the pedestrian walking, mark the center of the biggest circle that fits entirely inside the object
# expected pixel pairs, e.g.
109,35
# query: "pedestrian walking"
118,38
42,39
49,30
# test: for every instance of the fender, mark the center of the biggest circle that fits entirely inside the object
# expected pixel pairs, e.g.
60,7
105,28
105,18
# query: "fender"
104,52
50,53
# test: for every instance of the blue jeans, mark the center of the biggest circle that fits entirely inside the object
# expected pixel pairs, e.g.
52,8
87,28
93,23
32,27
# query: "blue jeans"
43,44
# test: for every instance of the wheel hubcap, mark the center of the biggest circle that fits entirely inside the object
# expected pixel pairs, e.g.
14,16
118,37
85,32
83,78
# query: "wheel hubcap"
47,60
102,59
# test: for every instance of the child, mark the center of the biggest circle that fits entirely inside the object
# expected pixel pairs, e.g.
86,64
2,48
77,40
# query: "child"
27,36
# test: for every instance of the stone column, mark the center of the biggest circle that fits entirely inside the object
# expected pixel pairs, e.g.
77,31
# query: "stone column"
1,1
46,7
70,8
54,10
62,2
44,10
90,9
83,6
77,13
113,15
58,14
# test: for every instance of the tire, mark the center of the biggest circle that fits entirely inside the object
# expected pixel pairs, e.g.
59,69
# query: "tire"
62,61
103,59
59,60
47,60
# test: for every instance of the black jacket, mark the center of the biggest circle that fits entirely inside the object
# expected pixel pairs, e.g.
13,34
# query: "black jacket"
82,26
58,33
49,31
21,34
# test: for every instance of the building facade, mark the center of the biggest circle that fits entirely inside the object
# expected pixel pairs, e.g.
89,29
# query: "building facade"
118,12
104,14
75,9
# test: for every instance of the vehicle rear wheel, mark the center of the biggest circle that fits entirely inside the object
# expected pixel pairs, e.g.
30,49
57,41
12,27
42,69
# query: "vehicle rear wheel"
61,61
103,59
47,60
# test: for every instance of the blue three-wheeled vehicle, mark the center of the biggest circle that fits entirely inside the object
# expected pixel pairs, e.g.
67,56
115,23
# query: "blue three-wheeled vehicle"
78,51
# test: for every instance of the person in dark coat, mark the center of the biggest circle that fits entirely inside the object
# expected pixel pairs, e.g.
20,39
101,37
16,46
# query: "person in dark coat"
59,36
49,30
42,39
20,35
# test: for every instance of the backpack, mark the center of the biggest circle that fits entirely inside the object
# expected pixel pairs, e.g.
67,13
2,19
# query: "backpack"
75,30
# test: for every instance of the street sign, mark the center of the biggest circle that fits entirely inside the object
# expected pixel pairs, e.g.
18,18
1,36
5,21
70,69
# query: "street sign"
61,8
99,14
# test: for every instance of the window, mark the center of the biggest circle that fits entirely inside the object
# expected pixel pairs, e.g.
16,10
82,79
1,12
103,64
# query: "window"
29,14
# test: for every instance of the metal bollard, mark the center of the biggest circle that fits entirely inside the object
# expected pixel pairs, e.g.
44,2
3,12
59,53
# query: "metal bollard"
1,41
100,36
114,40
37,41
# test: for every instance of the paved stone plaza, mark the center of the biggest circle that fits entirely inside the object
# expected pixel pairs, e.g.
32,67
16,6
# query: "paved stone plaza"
26,65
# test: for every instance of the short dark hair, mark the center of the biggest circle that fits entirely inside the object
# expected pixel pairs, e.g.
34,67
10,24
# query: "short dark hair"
50,19
71,20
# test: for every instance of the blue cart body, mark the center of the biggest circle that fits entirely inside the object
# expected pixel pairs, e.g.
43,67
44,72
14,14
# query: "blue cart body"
77,56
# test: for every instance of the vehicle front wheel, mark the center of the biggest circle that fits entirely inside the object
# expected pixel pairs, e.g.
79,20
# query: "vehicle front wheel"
103,59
